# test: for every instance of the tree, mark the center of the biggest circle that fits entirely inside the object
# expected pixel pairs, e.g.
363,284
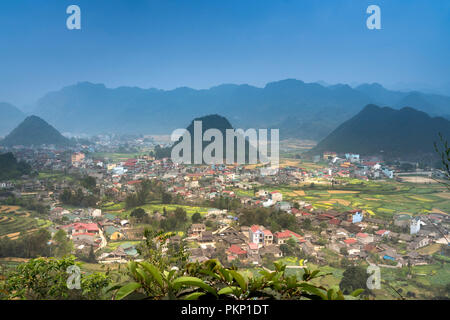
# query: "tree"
343,251
91,256
27,246
166,198
46,278
180,214
406,167
63,245
143,192
444,154
139,214
355,277
89,182
196,217
306,224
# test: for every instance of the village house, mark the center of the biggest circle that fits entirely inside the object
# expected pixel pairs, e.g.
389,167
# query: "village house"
253,249
272,250
81,228
283,236
364,238
419,243
260,235
235,252
196,229
355,216
276,196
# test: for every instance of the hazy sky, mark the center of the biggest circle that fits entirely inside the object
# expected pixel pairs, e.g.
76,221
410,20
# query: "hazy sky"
201,43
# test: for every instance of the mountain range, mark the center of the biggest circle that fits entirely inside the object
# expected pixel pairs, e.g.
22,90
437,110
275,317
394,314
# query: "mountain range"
382,130
298,109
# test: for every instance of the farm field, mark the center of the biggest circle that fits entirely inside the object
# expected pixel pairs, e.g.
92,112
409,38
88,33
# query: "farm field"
15,221
378,198
116,157
119,209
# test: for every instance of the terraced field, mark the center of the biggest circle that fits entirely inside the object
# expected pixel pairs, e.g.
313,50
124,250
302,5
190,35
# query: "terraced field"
379,198
14,221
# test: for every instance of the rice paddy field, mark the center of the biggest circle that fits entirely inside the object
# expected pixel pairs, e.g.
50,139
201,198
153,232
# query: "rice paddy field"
120,210
116,157
15,221
381,199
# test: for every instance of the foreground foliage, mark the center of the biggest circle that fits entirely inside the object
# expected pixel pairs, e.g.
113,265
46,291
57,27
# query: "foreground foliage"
210,280
46,279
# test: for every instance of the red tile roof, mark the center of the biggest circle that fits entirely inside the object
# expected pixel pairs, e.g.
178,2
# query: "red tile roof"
134,182
236,250
350,241
83,226
335,221
362,235
287,234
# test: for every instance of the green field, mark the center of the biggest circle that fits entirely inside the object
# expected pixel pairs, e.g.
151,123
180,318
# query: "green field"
380,198
116,157
119,209
14,221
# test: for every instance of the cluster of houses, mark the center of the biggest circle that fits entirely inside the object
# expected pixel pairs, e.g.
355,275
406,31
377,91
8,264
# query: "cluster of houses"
90,227
352,234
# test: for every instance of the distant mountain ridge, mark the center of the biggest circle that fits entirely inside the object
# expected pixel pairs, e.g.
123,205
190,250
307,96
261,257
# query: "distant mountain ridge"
10,117
34,131
394,133
298,109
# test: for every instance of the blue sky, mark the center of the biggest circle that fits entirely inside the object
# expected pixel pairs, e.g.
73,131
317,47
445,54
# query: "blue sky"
202,43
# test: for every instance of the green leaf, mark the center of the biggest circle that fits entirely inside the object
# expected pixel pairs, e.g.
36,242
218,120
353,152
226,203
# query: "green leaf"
132,266
357,292
193,296
330,294
313,290
226,274
239,279
143,275
127,289
227,290
154,272
194,282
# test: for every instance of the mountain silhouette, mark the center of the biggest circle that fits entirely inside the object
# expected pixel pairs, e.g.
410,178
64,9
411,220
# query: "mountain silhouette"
394,133
33,131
